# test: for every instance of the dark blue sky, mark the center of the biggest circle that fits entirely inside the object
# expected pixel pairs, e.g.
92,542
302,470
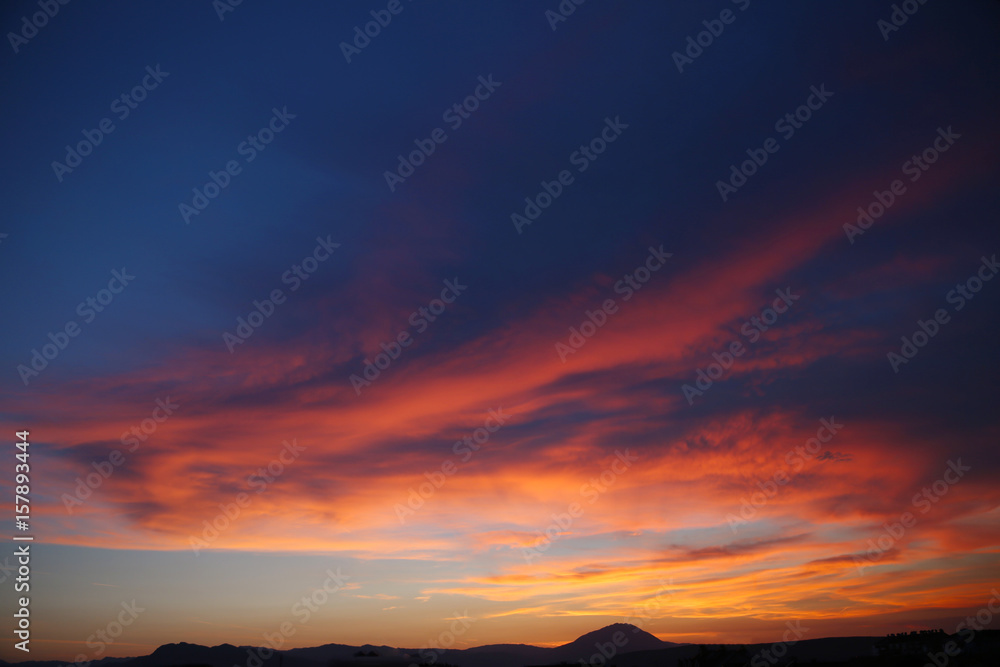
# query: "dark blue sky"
324,175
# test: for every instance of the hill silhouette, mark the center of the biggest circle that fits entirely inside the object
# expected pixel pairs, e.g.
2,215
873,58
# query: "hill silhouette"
619,644
614,639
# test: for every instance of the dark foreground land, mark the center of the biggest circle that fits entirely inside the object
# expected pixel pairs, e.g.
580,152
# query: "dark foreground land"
618,645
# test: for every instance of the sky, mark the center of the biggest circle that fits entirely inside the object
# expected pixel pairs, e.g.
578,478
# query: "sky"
540,321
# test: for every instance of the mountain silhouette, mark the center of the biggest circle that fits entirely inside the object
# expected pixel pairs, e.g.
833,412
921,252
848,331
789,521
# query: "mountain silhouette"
636,638
614,639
